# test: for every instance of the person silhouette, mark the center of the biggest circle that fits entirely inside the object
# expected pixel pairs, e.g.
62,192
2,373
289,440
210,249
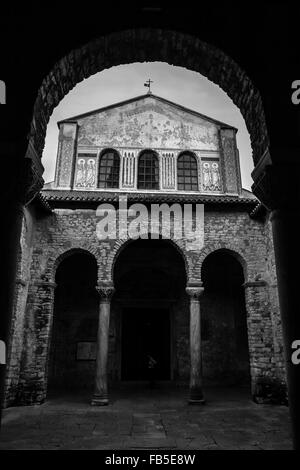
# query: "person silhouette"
151,364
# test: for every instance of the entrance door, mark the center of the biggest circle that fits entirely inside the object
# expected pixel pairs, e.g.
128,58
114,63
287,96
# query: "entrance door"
145,331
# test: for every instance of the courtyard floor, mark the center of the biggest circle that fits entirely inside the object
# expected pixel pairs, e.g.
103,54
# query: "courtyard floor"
148,419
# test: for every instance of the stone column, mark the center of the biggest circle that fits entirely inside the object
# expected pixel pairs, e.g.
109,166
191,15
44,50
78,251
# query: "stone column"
196,393
100,396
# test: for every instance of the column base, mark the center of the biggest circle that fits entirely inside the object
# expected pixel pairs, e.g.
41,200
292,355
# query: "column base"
99,401
196,397
193,401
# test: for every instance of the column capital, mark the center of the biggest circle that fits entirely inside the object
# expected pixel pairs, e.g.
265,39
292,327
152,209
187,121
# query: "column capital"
105,291
194,291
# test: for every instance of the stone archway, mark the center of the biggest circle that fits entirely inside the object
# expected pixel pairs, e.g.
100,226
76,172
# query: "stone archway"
138,45
75,321
268,179
178,245
150,311
229,248
224,319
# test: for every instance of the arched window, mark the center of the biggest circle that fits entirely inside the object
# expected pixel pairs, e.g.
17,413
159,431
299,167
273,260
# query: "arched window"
148,172
187,172
109,169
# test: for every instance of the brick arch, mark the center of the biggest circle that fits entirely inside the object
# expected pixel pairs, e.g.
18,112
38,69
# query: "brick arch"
120,245
65,253
228,248
150,44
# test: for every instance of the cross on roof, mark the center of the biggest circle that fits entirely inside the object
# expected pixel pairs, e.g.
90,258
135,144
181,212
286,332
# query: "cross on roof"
148,84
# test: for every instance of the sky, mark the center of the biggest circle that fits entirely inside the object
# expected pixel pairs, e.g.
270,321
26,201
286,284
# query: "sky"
177,84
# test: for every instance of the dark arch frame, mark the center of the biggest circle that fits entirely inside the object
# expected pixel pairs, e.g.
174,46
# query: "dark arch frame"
126,243
68,253
231,289
151,44
209,250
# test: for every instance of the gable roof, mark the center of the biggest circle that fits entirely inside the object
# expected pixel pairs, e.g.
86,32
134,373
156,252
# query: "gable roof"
141,97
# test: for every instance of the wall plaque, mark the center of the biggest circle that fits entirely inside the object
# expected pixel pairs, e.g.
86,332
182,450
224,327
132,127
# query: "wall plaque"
86,351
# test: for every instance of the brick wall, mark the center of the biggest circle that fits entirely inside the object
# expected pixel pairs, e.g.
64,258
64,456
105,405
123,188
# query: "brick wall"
67,231
16,344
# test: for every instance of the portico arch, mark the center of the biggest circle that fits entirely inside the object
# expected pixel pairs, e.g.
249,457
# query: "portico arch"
138,45
226,248
226,325
178,245
75,321
149,278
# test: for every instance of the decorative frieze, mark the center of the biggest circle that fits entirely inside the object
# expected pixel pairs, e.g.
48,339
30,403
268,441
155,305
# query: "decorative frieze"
128,169
168,171
65,156
232,175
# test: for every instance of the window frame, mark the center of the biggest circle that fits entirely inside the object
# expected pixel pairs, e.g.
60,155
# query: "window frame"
155,158
116,180
187,170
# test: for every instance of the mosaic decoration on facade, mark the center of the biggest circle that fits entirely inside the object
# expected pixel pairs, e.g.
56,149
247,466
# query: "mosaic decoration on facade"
85,171
211,180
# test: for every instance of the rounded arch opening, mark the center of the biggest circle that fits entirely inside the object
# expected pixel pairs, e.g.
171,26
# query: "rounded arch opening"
229,251
109,169
148,170
149,301
75,320
138,45
187,171
224,316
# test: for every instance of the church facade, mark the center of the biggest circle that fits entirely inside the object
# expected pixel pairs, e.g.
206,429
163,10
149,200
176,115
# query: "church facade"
100,290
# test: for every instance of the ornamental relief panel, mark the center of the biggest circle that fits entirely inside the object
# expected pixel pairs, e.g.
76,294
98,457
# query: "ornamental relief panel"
229,149
168,170
66,156
128,169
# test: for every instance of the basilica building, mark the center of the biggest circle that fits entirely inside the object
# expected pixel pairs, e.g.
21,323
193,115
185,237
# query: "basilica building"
92,311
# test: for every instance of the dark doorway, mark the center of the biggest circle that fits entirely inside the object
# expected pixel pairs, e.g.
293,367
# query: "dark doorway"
145,331
75,322
150,311
225,337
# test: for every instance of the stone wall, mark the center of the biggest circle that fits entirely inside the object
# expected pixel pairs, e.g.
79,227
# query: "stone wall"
68,231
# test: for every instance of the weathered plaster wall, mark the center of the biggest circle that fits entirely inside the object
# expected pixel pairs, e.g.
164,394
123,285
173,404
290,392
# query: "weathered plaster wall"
148,123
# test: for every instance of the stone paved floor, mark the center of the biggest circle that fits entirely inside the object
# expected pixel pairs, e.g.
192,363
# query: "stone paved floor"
148,419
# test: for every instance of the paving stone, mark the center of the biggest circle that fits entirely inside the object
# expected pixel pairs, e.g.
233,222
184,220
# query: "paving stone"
215,427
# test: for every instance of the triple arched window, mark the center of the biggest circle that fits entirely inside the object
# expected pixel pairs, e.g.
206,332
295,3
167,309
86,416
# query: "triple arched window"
187,172
109,170
148,171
